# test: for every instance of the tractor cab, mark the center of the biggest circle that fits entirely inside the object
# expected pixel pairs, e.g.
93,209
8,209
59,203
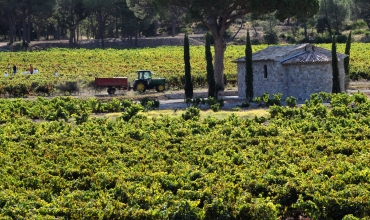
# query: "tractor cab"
144,74
145,81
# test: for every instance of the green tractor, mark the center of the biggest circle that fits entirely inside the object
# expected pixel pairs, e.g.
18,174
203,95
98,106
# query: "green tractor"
145,81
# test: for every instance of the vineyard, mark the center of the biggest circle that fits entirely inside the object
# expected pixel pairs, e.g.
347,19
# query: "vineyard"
77,68
59,159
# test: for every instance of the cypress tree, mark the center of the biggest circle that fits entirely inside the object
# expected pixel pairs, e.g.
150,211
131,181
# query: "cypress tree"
248,69
188,83
346,60
210,71
334,64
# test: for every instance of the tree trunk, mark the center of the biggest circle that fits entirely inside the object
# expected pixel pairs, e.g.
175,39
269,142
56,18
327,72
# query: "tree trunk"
116,24
237,32
19,31
220,47
136,40
11,27
46,32
78,33
156,26
173,25
101,28
29,29
38,31
24,36
58,32
305,31
71,36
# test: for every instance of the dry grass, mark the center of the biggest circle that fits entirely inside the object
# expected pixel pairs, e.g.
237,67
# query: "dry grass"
359,85
203,114
209,113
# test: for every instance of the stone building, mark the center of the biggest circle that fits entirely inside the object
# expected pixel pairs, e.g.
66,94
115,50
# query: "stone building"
297,70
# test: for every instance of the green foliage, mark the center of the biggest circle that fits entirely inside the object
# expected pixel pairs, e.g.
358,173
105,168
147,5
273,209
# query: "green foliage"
188,82
291,101
271,37
149,103
215,104
245,104
356,25
196,102
335,69
265,99
249,69
131,111
276,99
309,161
212,92
82,65
260,208
346,60
363,6
336,12
191,113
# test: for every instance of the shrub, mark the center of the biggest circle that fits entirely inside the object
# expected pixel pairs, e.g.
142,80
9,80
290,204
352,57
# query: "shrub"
341,38
291,101
358,32
290,39
148,103
271,38
215,104
255,41
276,100
131,111
195,102
191,113
356,25
245,104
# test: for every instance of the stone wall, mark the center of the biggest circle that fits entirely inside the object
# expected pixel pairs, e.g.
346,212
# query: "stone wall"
271,84
299,81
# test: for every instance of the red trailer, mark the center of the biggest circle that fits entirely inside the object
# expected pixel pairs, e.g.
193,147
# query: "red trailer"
112,84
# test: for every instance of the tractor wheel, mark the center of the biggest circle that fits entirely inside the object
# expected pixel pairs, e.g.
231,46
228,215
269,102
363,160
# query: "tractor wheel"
111,91
160,88
140,87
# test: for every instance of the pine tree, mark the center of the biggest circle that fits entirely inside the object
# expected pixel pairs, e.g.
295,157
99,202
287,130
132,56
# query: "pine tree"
334,64
210,71
188,83
249,69
346,60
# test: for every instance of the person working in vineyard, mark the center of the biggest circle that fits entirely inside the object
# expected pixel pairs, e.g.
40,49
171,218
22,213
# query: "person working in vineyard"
31,68
14,69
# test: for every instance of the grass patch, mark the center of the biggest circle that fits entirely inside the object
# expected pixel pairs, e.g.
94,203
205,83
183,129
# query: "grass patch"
203,114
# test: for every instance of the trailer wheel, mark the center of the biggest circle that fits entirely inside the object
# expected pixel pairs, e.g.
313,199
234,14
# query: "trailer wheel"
111,91
140,87
160,88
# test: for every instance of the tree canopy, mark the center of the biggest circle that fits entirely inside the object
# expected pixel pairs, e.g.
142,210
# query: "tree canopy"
364,8
218,15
